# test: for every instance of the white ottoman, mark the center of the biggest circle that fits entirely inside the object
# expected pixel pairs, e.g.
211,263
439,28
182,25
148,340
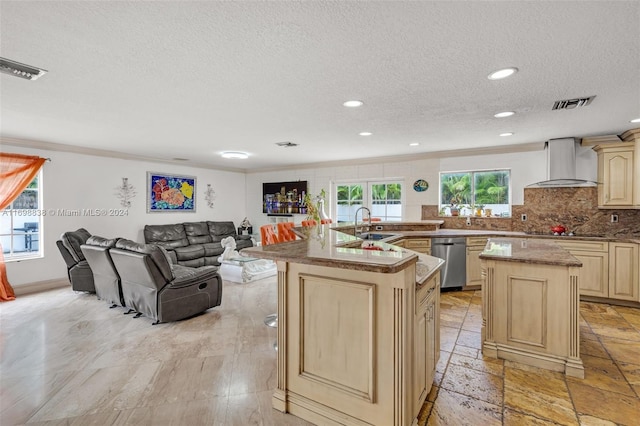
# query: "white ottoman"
247,269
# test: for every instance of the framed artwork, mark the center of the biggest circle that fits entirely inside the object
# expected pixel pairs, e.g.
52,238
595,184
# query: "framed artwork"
170,193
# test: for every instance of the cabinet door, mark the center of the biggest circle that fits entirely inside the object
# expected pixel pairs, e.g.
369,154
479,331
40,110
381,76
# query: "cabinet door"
623,271
421,246
617,178
593,277
431,344
421,386
474,270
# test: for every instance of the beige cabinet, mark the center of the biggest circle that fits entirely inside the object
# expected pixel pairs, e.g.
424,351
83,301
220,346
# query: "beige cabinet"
475,245
619,172
623,271
426,339
422,245
593,277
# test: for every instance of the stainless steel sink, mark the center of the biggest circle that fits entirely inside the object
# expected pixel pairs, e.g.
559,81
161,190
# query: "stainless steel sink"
373,236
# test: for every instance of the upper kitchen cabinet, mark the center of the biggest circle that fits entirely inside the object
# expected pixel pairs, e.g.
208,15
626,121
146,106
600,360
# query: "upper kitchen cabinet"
619,172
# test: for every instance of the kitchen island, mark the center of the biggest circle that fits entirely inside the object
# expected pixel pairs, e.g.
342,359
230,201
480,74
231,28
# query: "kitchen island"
530,304
358,329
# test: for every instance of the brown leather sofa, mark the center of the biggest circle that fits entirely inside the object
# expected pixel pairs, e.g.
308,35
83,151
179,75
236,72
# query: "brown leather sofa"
195,244
158,289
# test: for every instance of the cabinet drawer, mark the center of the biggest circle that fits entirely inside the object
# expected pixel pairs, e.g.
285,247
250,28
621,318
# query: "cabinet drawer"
422,295
410,244
584,245
477,241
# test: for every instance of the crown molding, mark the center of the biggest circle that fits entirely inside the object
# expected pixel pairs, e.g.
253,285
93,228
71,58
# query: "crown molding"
27,143
504,149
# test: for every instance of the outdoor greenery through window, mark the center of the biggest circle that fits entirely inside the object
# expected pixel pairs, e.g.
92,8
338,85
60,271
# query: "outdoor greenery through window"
20,223
477,193
384,199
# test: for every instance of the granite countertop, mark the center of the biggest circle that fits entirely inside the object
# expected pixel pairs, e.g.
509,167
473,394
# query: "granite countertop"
528,250
325,247
396,234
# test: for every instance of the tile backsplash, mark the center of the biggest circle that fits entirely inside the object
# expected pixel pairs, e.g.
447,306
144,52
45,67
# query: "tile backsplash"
574,208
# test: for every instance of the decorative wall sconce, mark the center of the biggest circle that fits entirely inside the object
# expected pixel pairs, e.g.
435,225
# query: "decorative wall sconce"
125,192
209,195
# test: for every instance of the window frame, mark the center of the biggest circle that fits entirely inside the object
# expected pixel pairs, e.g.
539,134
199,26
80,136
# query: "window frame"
367,198
22,214
443,206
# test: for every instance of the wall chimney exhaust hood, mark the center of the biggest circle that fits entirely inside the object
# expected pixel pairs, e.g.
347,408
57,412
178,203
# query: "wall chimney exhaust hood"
561,165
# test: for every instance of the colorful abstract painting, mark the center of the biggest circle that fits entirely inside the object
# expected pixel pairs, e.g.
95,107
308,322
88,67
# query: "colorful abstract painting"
170,193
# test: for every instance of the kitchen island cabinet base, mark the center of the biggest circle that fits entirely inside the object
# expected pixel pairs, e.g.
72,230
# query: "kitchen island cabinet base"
530,307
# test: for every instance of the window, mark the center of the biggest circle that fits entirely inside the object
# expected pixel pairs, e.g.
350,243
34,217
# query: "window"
470,193
20,223
383,198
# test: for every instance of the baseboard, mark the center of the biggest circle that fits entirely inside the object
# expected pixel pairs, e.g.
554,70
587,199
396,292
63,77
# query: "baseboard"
39,286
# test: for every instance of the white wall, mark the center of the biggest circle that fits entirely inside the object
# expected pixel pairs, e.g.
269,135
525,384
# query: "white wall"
526,168
74,181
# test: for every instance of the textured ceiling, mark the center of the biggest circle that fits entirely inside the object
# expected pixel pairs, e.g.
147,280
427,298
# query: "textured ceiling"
191,79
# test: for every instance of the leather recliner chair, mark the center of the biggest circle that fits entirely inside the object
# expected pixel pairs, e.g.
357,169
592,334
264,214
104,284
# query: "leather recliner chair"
105,276
158,289
78,269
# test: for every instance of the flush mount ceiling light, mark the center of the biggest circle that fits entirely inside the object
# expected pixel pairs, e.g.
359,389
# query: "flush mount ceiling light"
365,133
635,120
235,154
504,114
16,69
506,134
414,144
503,73
353,104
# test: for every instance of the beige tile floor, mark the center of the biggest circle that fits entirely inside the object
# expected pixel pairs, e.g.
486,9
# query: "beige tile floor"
67,359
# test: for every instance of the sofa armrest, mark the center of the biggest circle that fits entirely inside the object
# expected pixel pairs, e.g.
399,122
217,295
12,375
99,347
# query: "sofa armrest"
186,276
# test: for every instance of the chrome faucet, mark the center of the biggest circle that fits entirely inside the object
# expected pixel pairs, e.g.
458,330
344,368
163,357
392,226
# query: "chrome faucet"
355,220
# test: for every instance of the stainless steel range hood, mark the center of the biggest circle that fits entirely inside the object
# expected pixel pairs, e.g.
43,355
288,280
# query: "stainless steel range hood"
561,165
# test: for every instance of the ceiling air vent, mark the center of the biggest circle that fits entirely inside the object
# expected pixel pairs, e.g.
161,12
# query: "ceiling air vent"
16,69
286,144
572,103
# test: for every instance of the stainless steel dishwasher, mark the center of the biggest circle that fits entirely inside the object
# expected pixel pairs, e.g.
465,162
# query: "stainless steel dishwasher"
454,252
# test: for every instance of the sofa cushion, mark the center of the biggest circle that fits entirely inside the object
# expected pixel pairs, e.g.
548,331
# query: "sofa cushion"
213,249
220,230
240,244
155,253
167,236
190,252
197,232
72,241
97,241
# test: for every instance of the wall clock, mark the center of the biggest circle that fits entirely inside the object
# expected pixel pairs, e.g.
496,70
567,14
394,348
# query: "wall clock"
420,185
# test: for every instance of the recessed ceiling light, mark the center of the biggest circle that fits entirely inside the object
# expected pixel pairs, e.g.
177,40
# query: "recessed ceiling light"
503,73
365,133
414,144
353,104
506,134
635,120
504,114
16,69
235,154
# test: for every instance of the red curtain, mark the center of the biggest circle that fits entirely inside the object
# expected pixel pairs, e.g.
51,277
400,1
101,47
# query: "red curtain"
16,172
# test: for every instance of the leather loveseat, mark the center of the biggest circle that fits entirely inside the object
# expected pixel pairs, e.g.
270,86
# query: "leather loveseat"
78,269
194,244
158,289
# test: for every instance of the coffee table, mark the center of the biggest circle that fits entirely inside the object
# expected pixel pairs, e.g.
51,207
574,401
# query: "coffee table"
246,269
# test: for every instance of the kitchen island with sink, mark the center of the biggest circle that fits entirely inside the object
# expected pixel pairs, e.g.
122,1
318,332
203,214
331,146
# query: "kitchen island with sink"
530,304
358,329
